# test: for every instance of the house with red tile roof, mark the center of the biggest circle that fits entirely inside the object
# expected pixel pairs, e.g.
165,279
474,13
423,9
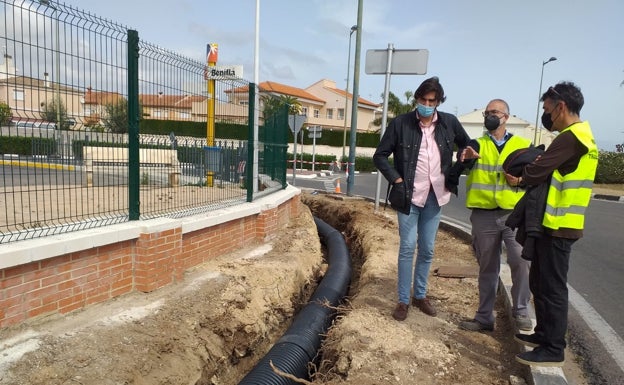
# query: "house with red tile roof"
27,96
171,107
164,107
94,104
336,112
323,103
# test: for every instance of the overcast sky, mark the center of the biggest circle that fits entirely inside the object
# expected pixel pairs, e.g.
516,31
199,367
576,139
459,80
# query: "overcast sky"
480,49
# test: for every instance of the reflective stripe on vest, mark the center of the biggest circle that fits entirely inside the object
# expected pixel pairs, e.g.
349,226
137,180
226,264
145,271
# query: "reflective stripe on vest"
486,186
569,195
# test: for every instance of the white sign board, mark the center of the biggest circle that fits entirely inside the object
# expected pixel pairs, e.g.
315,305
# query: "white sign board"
295,122
404,61
223,72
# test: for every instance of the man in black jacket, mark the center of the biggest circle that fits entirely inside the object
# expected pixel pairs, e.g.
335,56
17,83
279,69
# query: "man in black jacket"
422,144
568,166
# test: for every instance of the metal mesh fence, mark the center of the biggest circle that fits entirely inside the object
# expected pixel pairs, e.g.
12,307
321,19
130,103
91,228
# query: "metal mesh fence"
52,53
66,135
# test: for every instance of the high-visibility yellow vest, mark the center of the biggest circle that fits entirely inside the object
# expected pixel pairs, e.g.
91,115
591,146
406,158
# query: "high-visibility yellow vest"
486,186
569,195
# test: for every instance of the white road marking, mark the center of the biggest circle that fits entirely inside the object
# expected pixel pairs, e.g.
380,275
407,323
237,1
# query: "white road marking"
603,331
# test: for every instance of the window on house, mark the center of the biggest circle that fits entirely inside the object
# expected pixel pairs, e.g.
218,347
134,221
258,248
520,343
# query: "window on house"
317,113
157,114
244,102
185,115
341,114
330,113
304,111
18,95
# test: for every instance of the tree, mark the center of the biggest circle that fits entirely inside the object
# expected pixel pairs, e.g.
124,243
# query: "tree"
397,107
272,104
294,106
5,114
53,111
116,117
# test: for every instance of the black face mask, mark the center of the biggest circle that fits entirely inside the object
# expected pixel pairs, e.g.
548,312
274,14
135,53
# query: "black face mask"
491,122
547,120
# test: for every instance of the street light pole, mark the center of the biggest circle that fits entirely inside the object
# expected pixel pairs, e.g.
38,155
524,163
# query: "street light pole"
354,101
539,96
57,71
58,81
344,131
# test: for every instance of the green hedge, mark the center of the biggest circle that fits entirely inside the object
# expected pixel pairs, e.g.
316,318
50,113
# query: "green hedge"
239,132
335,138
194,129
610,168
610,165
26,146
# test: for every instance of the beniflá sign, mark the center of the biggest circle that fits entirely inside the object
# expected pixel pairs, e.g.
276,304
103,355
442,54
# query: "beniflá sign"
224,72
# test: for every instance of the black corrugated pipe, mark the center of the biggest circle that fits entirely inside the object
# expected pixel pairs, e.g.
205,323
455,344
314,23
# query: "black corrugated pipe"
299,345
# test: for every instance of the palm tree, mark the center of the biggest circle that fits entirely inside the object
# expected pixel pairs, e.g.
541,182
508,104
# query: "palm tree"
294,106
271,104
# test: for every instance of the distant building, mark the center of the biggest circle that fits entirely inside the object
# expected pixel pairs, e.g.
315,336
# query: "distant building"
332,114
322,103
28,96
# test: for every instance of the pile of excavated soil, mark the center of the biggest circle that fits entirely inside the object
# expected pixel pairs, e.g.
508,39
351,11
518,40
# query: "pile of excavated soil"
212,327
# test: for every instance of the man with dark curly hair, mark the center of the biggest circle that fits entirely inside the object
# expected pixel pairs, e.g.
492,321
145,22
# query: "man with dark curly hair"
568,167
422,143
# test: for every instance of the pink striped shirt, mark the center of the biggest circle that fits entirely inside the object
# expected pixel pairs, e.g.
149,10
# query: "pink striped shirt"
428,169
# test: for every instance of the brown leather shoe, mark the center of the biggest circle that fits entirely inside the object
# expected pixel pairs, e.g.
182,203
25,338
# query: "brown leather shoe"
425,306
400,312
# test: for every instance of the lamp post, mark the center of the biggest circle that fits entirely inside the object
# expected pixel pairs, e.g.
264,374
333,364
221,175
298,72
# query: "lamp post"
539,96
57,71
344,131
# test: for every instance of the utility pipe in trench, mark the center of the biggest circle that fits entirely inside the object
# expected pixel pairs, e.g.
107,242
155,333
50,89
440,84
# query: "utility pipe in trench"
300,343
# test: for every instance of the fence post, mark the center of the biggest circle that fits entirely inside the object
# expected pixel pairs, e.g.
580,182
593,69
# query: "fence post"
133,125
249,184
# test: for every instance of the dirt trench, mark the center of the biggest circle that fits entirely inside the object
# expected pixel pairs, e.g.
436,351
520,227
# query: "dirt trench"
214,326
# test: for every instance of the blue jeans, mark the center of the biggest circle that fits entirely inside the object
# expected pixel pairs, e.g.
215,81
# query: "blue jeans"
421,225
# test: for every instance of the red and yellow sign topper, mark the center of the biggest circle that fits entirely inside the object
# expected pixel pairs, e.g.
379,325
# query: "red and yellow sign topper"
212,53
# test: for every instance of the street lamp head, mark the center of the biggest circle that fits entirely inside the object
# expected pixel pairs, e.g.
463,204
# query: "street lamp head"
353,29
549,60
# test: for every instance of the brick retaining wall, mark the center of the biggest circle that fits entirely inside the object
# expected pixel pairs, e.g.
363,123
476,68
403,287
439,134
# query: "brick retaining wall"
63,273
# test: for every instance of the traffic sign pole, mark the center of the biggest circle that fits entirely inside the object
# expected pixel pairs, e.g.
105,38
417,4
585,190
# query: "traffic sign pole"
295,122
393,61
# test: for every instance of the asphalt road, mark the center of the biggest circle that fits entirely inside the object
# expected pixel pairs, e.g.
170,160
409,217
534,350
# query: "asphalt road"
596,276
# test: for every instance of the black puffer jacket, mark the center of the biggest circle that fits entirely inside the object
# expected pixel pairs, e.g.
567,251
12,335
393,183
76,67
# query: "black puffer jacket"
529,211
402,139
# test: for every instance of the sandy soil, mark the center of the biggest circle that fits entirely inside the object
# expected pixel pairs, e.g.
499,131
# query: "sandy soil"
609,189
212,327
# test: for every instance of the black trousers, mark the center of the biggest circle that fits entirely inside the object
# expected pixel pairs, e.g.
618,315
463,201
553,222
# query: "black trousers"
548,278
